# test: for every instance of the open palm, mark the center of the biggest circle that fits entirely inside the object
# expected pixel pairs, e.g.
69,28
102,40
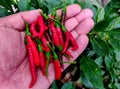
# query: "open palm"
14,66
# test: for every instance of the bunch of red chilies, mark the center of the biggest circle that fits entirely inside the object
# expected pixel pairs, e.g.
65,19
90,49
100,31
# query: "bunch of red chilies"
47,40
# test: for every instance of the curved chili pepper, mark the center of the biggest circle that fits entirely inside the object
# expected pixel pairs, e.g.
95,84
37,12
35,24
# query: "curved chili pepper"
66,42
73,42
33,29
32,66
33,47
41,25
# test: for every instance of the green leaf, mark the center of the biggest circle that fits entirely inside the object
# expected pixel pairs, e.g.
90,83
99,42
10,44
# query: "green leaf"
107,25
85,81
91,72
99,46
100,14
116,45
50,4
117,64
69,85
109,60
68,2
24,5
99,61
115,35
3,12
117,85
7,4
117,54
34,3
112,7
94,2
54,85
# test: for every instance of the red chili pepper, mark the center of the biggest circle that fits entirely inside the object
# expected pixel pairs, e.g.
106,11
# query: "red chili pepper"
73,42
33,47
32,66
41,25
57,65
59,33
66,42
42,59
33,29
47,54
58,71
55,36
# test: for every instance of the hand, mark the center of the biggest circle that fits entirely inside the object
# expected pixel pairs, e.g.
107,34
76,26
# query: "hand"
14,66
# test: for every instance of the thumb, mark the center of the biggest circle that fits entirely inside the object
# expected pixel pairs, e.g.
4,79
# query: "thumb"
17,21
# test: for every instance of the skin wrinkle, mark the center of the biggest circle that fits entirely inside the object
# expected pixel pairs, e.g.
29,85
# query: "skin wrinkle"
12,73
20,69
17,52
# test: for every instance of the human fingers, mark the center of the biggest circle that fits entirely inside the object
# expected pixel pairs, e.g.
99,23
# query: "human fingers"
85,26
17,21
74,22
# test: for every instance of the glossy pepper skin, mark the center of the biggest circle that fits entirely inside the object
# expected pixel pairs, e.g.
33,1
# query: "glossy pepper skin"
60,34
58,71
32,66
57,65
33,29
67,40
55,36
41,26
73,42
31,57
34,51
33,47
